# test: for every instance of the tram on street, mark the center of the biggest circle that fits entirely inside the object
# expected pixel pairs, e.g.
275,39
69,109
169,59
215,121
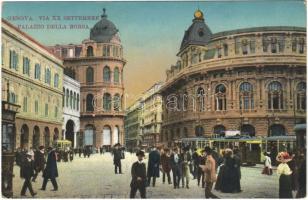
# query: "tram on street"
251,148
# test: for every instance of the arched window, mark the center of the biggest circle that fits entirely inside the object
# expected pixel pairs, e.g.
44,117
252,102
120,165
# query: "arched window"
199,131
107,102
71,99
277,130
37,71
106,74
90,51
47,75
90,75
116,75
219,130
248,129
273,45
185,133
301,96
116,102
90,106
275,100
220,97
200,97
56,80
67,97
246,96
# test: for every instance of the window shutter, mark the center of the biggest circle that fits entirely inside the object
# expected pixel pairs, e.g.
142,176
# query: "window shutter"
16,61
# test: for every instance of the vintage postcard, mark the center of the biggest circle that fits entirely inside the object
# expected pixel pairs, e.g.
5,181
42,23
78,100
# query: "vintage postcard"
156,99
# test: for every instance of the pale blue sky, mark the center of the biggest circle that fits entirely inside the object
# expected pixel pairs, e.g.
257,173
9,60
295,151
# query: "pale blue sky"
151,32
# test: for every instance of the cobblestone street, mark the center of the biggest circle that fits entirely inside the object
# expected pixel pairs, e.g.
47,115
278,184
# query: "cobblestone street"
94,178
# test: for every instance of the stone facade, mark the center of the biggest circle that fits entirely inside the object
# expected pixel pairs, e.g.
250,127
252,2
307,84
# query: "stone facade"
252,80
132,126
35,78
151,115
71,110
98,65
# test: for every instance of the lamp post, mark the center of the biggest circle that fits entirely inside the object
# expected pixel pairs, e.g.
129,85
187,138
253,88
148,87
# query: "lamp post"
9,111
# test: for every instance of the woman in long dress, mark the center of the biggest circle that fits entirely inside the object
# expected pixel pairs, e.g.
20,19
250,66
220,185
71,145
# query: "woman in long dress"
284,172
267,164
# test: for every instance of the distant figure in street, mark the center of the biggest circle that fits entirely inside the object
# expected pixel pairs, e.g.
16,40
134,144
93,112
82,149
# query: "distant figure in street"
51,170
117,155
27,173
39,162
200,175
101,150
284,172
210,173
186,158
176,165
237,165
80,152
267,170
166,165
138,177
153,165
195,160
71,154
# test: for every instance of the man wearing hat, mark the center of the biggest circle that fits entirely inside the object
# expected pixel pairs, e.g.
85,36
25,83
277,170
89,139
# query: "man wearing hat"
153,165
117,155
39,161
138,177
27,173
51,169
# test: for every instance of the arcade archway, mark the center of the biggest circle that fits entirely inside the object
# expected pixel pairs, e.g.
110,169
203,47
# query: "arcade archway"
24,136
69,133
36,137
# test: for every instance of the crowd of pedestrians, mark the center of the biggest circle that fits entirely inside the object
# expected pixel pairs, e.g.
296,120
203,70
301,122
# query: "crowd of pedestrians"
32,162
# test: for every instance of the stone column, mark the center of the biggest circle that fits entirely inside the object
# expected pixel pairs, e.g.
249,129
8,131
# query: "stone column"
75,139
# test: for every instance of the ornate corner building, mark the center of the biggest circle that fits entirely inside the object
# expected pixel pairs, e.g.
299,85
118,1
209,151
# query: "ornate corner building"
98,65
252,80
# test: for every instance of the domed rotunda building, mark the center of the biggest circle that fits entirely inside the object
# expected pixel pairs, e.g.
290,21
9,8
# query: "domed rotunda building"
98,65
250,80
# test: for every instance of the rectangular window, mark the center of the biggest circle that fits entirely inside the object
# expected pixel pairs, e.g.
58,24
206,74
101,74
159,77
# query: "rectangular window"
46,109
105,51
244,49
225,49
36,107
13,60
252,45
108,50
265,44
294,45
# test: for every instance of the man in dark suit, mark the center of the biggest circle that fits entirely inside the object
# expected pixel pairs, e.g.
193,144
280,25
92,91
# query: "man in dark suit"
153,165
27,173
138,177
117,155
176,166
51,170
39,162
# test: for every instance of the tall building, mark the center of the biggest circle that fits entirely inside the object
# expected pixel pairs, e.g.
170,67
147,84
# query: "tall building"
97,63
251,80
151,115
71,111
35,80
132,122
